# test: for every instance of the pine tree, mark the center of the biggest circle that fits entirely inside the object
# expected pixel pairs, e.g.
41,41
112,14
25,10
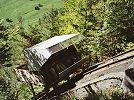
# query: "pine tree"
5,55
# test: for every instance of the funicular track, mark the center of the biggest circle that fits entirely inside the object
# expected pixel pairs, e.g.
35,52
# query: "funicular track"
71,83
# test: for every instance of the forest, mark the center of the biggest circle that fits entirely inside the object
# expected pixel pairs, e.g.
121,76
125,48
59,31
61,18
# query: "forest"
107,25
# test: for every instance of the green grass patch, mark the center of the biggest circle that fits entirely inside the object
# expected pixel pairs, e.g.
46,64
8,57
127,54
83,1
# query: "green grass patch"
12,9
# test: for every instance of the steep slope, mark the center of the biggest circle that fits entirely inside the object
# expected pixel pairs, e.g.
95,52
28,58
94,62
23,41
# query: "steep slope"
12,9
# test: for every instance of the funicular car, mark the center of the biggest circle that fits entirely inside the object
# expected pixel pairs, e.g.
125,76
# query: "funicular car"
50,61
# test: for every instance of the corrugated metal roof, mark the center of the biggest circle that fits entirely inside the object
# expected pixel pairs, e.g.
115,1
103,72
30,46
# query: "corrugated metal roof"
38,54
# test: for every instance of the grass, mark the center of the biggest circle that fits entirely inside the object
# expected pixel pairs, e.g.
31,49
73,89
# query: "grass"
12,9
114,93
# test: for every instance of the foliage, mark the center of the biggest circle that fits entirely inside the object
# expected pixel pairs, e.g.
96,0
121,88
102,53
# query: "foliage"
51,23
10,43
4,47
117,24
6,92
104,23
47,27
114,93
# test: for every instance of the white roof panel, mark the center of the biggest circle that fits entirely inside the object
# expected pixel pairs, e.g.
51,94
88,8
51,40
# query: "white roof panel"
52,41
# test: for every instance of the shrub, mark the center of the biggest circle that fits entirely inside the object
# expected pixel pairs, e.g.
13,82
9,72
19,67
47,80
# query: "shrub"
37,8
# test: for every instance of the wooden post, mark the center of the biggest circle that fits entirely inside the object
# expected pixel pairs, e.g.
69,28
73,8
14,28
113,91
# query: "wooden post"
32,89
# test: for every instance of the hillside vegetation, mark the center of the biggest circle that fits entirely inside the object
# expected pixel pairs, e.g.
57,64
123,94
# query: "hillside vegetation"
13,9
108,26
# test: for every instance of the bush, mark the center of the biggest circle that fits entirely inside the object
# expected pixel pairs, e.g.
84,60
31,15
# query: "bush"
9,20
110,94
37,8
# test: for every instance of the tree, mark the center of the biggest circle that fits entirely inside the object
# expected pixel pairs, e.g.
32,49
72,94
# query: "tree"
6,91
50,22
47,27
4,47
104,23
117,18
79,18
